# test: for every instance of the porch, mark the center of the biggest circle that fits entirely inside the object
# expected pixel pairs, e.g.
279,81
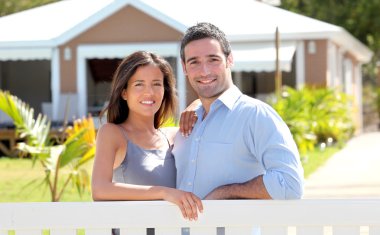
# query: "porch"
300,217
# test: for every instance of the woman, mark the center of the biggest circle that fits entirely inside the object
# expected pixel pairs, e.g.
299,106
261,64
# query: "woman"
133,159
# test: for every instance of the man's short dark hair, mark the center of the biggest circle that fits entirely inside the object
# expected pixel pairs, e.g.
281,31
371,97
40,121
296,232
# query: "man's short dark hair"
205,30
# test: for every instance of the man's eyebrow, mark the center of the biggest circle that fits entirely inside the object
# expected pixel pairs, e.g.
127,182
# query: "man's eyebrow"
191,59
214,56
210,56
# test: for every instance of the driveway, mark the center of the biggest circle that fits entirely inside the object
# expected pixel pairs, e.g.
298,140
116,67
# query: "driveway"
353,172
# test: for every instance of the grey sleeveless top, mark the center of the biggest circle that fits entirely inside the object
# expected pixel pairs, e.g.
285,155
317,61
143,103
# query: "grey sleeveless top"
146,167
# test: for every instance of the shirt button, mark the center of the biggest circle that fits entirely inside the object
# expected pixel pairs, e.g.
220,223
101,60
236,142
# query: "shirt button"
192,160
197,139
189,183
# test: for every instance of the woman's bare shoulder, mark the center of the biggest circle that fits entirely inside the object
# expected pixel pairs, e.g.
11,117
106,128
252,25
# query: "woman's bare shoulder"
108,127
110,130
170,132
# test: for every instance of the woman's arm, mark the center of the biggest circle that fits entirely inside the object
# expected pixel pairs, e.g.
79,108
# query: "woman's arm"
110,143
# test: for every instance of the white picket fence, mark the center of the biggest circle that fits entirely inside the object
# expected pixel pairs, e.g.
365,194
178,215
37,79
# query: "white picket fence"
300,217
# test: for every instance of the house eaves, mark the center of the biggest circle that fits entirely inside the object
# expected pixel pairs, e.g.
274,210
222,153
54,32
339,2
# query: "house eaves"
55,24
248,20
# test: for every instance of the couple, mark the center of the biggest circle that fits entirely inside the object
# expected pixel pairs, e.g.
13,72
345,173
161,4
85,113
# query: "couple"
239,147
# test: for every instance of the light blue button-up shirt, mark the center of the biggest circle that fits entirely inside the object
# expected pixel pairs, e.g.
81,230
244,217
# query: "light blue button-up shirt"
240,139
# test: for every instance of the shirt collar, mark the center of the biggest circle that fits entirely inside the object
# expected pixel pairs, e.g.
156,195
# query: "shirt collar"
230,96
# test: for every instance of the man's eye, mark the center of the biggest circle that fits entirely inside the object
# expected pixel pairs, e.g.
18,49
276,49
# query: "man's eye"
213,60
157,84
193,62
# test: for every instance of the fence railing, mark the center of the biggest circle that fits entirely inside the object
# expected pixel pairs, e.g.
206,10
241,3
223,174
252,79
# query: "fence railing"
238,217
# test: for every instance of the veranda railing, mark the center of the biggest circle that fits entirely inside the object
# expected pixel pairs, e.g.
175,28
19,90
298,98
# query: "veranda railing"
303,217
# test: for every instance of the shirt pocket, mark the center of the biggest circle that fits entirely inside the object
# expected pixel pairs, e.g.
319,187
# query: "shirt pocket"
220,162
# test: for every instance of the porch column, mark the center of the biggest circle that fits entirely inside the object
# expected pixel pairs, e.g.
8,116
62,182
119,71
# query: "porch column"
300,65
81,82
348,76
181,85
55,83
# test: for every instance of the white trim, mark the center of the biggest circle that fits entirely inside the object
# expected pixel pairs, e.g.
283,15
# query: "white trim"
110,10
153,12
300,65
99,16
25,53
262,56
115,51
55,82
122,50
177,16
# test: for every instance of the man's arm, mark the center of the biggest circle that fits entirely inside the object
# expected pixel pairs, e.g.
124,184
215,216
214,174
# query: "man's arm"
252,189
272,144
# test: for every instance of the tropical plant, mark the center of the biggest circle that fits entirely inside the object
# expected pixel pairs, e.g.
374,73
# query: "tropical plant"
291,107
61,162
378,100
315,116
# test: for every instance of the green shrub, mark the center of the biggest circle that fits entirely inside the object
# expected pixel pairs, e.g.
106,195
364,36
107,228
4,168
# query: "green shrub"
378,100
316,116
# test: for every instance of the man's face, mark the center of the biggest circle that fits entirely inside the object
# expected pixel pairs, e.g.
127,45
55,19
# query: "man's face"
207,68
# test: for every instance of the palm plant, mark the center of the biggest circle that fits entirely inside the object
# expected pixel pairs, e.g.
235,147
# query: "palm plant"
62,162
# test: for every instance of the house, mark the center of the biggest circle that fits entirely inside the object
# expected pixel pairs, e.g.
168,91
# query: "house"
65,52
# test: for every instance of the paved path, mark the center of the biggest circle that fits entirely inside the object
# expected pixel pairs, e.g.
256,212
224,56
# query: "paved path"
353,172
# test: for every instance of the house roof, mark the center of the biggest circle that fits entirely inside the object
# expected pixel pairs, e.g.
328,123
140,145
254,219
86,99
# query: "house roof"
54,24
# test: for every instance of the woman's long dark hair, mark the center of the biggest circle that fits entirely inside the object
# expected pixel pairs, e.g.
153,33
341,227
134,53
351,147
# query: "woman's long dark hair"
117,109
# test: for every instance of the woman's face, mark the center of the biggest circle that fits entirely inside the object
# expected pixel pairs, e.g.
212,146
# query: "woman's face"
145,91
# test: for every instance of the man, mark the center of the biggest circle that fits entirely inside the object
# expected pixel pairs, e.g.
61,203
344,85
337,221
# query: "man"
239,147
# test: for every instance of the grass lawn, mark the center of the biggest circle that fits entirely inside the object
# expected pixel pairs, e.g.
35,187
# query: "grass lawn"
317,158
16,174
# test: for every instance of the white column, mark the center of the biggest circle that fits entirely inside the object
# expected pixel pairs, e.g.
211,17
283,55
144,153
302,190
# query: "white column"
340,58
55,82
81,84
300,65
348,73
181,84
